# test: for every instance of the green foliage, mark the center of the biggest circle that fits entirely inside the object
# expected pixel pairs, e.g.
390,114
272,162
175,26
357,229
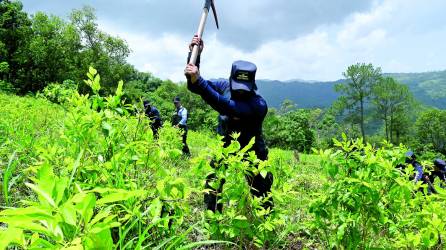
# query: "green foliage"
141,85
327,128
370,204
428,87
243,219
104,183
4,67
356,91
64,215
431,130
6,87
46,49
26,125
90,175
51,53
104,52
394,105
201,115
96,159
97,179
290,130
59,93
15,31
10,168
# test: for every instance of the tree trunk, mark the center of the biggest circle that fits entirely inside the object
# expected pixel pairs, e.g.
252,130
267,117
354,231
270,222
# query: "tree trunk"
362,121
391,128
386,124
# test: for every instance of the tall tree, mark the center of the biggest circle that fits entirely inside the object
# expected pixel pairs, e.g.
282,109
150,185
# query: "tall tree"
356,91
392,102
52,54
106,53
15,32
35,52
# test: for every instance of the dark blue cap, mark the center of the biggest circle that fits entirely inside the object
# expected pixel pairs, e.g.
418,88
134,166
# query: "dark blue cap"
410,154
243,76
177,99
410,157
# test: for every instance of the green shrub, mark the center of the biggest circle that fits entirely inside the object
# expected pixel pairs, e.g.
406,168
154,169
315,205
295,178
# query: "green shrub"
59,93
431,130
369,203
291,130
6,87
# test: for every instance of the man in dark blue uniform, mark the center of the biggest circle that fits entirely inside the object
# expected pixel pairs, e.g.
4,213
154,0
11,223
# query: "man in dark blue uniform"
154,115
411,159
439,172
245,111
419,175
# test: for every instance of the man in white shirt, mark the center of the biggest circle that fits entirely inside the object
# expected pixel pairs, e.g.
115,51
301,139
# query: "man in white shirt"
180,121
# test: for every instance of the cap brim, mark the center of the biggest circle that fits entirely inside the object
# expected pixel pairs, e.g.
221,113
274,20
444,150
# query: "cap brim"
241,86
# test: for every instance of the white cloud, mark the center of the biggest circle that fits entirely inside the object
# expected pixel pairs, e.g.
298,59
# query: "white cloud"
256,21
395,34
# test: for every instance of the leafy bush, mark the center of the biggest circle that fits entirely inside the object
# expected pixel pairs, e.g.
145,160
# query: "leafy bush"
431,130
6,87
101,181
201,116
91,175
96,184
371,204
64,215
243,220
4,67
291,130
59,93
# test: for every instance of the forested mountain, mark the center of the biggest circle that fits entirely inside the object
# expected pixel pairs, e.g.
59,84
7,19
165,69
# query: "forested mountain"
429,88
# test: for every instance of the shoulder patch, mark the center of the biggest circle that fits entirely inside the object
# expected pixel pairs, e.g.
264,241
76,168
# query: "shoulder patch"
262,101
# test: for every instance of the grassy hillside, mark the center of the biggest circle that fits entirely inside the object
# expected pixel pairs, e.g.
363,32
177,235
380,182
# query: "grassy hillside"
79,177
429,88
72,143
26,124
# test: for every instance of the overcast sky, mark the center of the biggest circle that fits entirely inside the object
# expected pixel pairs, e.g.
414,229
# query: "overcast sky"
287,39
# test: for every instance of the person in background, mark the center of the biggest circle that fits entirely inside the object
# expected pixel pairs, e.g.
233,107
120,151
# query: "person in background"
180,121
222,125
439,172
154,115
411,159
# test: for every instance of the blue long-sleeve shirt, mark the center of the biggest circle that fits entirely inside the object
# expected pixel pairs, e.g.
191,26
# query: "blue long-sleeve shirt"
418,171
154,115
245,116
254,107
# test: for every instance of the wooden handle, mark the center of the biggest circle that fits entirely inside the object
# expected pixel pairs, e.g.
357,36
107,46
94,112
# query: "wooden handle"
196,48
